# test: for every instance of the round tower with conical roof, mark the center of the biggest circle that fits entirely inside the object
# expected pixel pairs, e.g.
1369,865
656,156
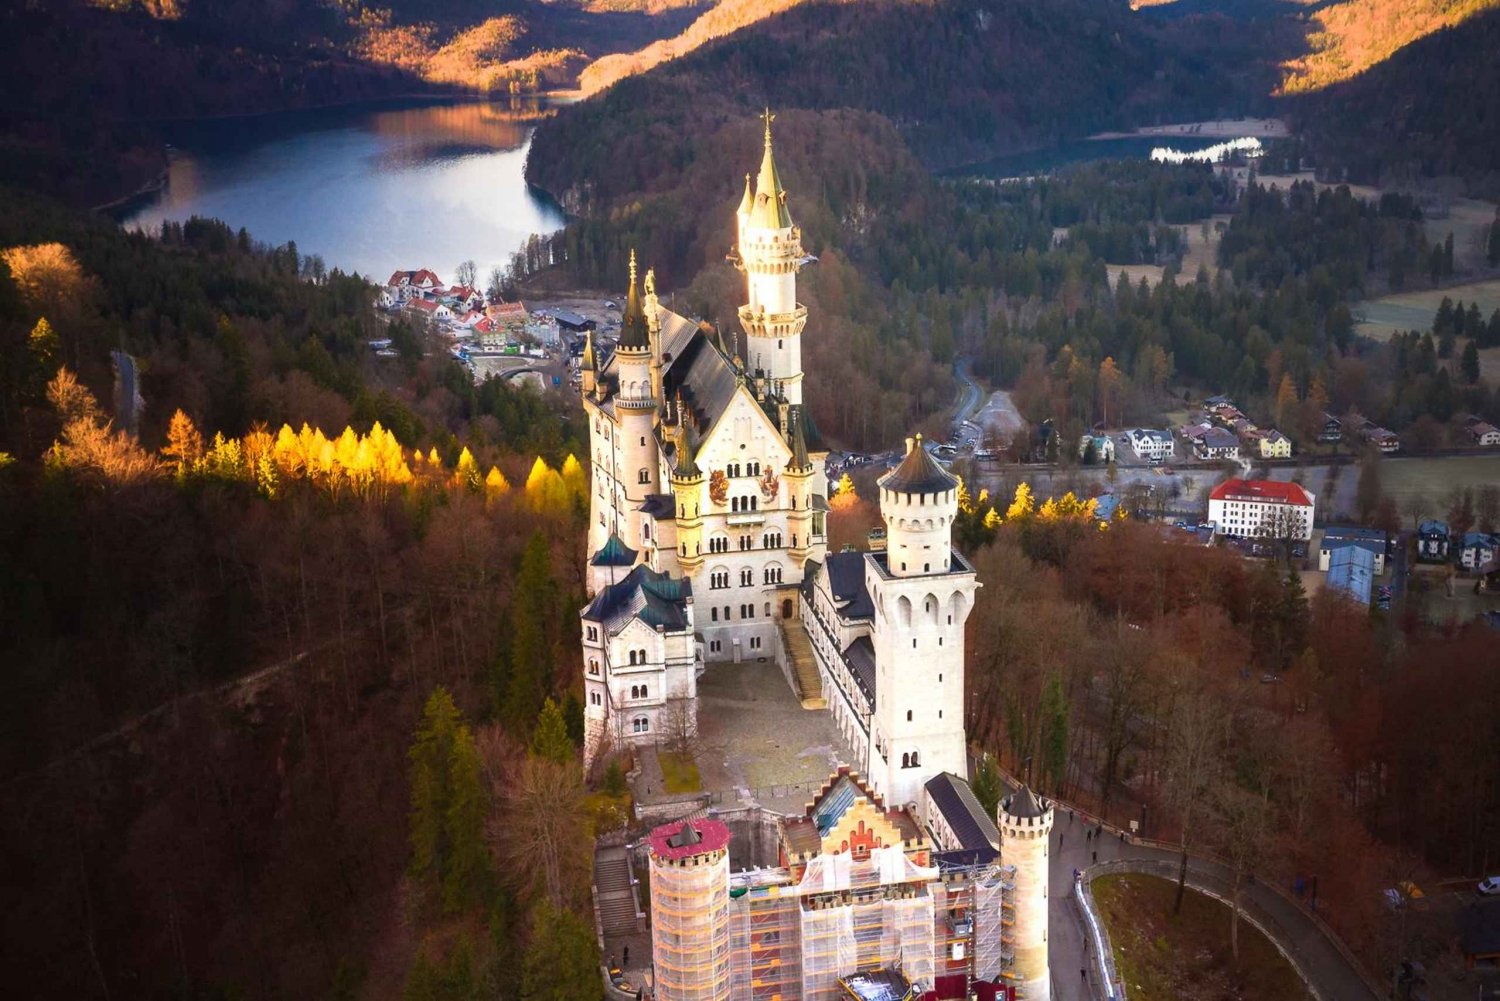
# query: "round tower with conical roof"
918,502
922,595
1025,822
769,252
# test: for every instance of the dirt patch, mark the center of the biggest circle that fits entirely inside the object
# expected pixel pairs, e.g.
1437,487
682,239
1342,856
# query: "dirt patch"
1165,957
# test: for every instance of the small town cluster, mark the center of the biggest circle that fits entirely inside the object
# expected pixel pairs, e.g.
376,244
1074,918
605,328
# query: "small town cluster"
461,314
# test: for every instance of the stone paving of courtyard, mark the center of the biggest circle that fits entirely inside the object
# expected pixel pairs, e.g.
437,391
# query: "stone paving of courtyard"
757,744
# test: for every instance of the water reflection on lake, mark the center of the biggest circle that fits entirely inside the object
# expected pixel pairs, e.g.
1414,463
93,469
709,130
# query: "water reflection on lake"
369,189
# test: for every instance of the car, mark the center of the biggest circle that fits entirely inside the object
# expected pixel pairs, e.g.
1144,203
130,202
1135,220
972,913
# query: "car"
1489,886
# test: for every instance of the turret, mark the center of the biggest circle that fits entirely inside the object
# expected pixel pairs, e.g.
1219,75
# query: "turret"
800,477
918,501
1025,822
769,253
588,366
690,946
636,406
687,494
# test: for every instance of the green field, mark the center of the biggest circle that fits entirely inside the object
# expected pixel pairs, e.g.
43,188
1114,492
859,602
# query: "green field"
1434,478
1378,319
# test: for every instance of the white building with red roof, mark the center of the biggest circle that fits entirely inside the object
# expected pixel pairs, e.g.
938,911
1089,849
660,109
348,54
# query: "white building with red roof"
1262,509
405,285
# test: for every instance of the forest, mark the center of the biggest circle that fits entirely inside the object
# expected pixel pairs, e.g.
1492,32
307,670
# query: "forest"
289,667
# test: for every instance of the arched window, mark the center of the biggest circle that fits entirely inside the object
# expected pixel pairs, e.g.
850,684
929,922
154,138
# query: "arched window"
641,724
644,476
908,715
635,691
906,761
645,694
594,667
632,658
714,613
643,656
915,763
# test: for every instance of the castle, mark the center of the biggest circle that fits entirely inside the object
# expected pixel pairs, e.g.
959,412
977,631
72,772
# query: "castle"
707,542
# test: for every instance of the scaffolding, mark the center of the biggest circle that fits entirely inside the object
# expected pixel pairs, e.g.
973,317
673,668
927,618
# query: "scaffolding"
994,892
692,931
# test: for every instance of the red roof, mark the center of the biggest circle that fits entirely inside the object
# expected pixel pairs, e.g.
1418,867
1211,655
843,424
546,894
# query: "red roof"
462,291
507,309
668,842
1262,491
426,305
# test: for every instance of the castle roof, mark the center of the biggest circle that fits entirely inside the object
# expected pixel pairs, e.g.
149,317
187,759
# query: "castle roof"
685,838
769,211
746,203
633,333
655,598
614,553
1023,804
590,361
919,473
799,458
955,800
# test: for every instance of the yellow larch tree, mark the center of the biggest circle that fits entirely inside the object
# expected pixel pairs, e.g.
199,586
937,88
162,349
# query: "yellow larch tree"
184,444
1023,506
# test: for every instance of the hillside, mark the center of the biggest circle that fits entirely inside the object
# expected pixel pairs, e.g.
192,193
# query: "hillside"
1425,111
79,133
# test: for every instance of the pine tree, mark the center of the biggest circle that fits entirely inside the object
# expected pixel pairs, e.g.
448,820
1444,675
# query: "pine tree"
468,865
562,959
550,740
184,443
987,785
1286,401
1055,733
534,619
1469,363
430,760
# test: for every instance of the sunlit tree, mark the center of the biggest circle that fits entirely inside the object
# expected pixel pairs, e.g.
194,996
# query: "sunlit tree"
184,443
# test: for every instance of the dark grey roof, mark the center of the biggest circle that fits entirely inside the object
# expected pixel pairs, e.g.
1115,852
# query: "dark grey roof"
660,506
799,459
1023,803
686,835
861,658
704,377
960,808
919,473
614,553
658,600
846,581
964,858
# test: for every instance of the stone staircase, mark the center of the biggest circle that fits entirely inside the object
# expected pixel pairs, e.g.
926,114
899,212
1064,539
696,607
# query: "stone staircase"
802,666
616,897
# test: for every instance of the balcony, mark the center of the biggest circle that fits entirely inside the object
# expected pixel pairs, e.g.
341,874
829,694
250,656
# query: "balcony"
746,518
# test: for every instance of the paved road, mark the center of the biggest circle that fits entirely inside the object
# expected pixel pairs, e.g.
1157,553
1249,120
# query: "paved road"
1313,952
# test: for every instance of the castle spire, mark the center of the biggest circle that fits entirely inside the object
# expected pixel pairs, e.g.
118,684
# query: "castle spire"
770,197
748,202
633,333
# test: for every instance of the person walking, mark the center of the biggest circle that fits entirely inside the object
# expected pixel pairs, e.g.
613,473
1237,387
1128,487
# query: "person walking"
625,956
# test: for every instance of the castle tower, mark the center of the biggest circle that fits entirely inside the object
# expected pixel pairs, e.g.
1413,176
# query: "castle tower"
690,946
923,593
1025,822
799,475
770,253
687,492
588,365
636,407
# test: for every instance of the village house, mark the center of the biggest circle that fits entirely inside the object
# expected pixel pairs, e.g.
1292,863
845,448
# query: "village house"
404,285
1275,445
1352,572
508,323
464,298
1152,445
1104,447
1484,433
1216,443
1381,438
1332,431
1476,549
1432,541
1262,509
1338,537
430,310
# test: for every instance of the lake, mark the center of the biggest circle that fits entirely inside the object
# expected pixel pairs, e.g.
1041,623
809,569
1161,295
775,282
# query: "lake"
371,189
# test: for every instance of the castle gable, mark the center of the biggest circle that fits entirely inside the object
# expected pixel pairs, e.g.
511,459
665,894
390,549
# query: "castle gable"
742,423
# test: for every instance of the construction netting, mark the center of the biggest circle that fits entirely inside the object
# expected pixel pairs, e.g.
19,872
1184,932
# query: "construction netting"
765,961
691,930
994,916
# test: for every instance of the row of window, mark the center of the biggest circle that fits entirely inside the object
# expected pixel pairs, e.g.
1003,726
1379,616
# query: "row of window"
746,612
720,544
751,503
747,469
717,646
718,580
639,692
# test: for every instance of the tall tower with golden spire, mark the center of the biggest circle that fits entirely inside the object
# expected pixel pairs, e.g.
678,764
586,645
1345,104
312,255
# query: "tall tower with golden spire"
636,411
770,254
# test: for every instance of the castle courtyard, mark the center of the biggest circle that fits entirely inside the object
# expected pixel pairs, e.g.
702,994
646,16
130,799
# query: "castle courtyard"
756,741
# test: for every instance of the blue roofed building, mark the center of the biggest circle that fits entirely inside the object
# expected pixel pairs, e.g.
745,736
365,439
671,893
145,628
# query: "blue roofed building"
1351,571
1337,537
1476,549
1432,541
